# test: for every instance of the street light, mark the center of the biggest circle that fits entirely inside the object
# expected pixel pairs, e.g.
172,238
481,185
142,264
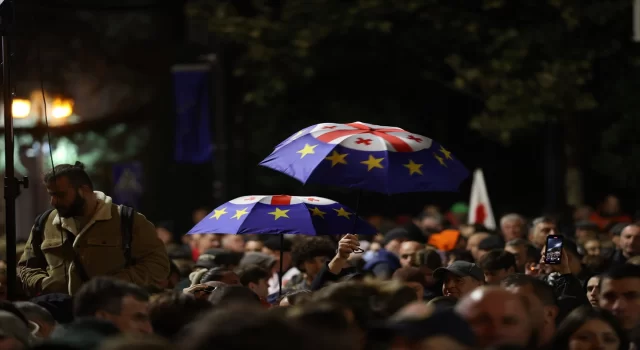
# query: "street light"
20,108
62,108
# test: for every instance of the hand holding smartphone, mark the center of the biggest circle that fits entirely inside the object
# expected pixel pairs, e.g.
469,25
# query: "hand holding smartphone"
553,253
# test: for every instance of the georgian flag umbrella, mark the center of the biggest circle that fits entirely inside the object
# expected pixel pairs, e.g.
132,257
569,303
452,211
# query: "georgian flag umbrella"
367,157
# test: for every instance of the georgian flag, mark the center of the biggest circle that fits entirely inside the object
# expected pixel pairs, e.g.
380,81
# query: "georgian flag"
480,211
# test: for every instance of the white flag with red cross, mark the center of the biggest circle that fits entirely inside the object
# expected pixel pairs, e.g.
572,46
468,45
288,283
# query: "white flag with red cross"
480,211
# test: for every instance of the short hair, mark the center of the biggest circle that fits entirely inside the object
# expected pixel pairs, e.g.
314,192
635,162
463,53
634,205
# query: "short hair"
172,311
543,219
622,271
105,294
533,253
429,258
253,274
511,217
541,289
33,311
497,259
311,248
75,173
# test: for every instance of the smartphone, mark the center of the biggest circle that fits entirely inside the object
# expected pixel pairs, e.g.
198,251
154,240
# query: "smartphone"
553,255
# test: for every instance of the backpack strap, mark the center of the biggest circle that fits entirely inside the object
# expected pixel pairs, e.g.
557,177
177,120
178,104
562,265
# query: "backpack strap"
38,233
126,226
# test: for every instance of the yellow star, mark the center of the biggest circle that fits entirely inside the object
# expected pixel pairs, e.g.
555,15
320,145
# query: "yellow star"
240,213
218,213
308,149
343,213
373,163
413,167
279,213
447,154
337,158
440,159
317,212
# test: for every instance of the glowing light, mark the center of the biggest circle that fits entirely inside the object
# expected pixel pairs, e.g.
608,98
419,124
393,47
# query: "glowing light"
62,108
20,108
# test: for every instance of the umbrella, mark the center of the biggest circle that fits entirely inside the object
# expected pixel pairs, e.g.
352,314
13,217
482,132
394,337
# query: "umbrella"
303,215
367,157
282,214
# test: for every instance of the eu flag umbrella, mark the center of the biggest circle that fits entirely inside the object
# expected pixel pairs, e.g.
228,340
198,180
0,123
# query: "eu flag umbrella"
298,215
367,157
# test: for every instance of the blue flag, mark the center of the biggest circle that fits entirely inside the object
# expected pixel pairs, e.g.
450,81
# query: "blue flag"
192,84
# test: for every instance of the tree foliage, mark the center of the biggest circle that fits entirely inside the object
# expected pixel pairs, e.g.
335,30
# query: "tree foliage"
525,62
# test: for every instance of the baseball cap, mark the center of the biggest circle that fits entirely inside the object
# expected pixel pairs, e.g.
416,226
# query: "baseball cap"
460,269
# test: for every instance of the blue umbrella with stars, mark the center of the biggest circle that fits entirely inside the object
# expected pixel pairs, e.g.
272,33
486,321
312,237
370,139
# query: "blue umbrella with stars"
367,157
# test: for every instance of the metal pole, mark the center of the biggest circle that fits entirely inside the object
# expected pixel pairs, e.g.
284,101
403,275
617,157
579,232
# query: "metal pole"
11,184
10,181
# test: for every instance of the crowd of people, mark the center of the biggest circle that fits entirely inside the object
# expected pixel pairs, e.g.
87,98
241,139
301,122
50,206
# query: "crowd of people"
95,277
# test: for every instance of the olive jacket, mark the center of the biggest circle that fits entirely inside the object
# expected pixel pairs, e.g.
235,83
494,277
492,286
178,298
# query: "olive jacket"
99,248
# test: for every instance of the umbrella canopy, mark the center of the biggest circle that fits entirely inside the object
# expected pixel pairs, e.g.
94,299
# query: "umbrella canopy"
369,157
303,215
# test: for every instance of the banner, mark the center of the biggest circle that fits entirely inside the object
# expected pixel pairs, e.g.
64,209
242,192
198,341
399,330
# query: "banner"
480,211
192,86
127,184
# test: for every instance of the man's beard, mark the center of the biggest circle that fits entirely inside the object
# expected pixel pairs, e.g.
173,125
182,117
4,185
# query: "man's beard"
75,209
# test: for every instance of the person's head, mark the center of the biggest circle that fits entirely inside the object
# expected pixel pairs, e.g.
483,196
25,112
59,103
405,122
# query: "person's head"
593,290
274,246
497,264
620,294
630,240
473,242
234,243
497,317
14,333
488,244
199,214
413,278
38,315
394,238
253,245
123,303
427,260
459,279
311,254
542,305
407,251
592,247
298,297
171,312
219,274
69,187
207,241
256,278
512,227
611,205
524,251
589,328
586,230
541,228
164,232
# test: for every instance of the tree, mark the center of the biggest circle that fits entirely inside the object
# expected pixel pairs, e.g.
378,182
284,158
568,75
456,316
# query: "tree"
527,63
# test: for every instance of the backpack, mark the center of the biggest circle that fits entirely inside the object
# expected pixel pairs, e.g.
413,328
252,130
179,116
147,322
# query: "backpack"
126,227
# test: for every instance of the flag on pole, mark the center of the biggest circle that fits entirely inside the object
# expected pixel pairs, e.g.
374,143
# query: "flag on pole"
480,211
192,86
